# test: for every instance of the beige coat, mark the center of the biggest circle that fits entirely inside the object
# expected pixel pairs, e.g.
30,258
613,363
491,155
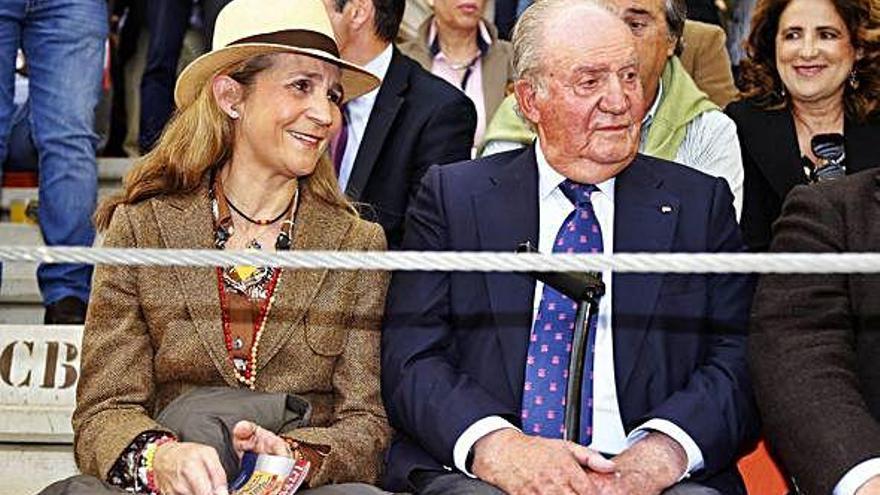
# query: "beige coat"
705,58
497,64
154,332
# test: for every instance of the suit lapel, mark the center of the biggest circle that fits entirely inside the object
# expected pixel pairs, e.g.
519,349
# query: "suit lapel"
317,227
507,215
773,145
645,218
387,104
185,222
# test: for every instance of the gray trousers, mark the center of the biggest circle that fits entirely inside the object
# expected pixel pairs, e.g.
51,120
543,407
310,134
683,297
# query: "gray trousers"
344,489
459,484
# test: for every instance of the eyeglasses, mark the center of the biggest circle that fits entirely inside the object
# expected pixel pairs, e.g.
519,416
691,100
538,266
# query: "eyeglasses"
830,150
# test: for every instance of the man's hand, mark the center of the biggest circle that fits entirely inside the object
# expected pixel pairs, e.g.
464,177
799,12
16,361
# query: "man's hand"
185,468
519,464
871,487
650,466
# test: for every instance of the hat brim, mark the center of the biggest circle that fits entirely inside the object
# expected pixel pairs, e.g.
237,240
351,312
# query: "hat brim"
355,80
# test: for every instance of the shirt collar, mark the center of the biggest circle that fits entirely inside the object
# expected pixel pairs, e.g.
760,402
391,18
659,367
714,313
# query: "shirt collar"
378,67
649,116
549,179
484,39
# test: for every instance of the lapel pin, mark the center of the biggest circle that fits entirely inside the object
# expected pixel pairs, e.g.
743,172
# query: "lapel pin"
665,209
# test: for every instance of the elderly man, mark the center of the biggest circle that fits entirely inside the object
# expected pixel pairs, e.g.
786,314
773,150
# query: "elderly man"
682,123
473,364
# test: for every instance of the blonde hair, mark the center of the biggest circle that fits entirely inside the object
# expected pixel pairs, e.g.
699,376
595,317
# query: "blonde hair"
197,141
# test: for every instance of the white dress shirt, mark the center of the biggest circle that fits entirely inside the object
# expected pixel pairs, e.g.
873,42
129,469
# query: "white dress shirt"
609,435
358,112
857,476
710,145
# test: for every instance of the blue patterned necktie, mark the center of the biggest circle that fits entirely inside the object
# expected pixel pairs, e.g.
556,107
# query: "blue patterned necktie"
543,405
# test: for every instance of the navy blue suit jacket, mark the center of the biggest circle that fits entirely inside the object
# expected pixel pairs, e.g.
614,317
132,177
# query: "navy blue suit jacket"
454,344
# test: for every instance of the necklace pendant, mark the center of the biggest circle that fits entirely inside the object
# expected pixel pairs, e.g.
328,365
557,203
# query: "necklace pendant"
237,344
283,242
254,244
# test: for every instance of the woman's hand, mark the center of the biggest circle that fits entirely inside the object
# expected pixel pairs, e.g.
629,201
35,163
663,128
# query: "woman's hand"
186,468
250,436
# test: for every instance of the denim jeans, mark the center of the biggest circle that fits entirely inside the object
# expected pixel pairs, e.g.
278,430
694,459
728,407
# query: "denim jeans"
63,42
167,22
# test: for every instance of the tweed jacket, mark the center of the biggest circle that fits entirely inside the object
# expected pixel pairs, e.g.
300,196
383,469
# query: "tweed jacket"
497,64
154,332
813,342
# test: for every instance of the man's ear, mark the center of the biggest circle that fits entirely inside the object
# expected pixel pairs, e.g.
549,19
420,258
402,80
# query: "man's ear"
228,94
361,13
526,93
671,43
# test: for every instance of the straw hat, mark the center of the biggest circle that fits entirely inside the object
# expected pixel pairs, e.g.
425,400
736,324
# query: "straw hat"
247,28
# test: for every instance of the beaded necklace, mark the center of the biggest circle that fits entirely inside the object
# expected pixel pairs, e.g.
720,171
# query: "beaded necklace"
247,376
252,287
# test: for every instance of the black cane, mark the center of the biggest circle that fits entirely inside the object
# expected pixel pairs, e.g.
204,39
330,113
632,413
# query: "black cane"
584,288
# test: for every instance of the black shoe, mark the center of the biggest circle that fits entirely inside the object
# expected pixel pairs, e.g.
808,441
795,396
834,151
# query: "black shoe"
67,311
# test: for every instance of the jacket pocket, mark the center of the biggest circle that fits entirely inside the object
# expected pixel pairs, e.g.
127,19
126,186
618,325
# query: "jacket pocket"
326,335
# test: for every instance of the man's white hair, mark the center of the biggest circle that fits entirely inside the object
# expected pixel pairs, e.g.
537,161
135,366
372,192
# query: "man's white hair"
528,34
528,37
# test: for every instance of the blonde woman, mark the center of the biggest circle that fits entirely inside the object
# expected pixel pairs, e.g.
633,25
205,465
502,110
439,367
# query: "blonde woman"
241,165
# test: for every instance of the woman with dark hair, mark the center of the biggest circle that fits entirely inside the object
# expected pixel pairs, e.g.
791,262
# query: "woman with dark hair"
241,165
811,93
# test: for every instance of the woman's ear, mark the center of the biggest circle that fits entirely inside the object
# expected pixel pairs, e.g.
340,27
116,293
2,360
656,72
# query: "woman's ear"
228,94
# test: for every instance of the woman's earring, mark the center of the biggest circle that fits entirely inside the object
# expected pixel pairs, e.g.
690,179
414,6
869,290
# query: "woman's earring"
233,114
782,91
853,80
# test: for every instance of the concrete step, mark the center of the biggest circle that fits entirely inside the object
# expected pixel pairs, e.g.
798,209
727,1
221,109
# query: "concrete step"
20,300
110,174
38,380
18,313
20,234
19,284
27,469
113,169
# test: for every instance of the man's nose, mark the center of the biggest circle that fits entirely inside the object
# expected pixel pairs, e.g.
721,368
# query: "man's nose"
615,99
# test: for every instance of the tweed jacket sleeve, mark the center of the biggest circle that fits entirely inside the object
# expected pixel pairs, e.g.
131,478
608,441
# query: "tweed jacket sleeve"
358,415
116,385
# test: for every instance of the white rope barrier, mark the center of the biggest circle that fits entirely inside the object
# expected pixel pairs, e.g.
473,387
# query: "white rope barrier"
459,261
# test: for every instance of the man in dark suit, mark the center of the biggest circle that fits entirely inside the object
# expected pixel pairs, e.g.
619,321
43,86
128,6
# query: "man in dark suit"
814,344
392,135
473,364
